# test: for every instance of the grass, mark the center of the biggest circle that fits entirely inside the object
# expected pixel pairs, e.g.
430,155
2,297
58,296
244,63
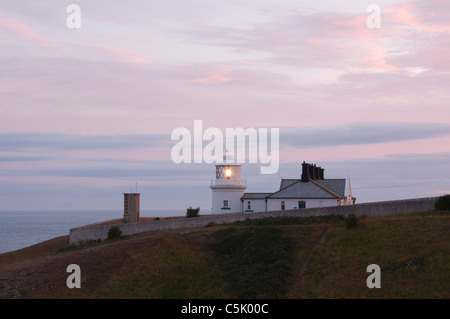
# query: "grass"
412,251
312,257
82,245
88,243
283,220
256,261
172,270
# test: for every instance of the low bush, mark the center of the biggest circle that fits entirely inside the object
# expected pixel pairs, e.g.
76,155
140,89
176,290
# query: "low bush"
114,232
351,221
442,203
192,212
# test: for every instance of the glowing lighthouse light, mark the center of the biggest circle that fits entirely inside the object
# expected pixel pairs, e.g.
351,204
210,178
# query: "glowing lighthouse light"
227,189
228,173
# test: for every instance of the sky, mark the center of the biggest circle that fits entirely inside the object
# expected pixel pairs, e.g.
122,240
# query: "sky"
87,112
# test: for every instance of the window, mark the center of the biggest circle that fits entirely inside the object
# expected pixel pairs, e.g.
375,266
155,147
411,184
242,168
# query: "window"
301,204
228,173
225,203
248,205
282,205
125,205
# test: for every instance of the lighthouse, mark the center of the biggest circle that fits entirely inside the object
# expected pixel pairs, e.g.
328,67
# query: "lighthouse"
227,189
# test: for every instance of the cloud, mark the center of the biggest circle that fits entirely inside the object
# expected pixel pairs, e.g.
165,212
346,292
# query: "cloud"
109,171
22,158
18,28
337,39
62,142
220,76
360,133
303,38
87,106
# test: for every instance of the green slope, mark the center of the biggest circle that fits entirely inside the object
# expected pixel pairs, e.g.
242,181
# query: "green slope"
270,258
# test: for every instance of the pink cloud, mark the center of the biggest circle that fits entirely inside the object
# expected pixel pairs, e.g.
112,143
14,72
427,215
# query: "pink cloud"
426,146
402,14
220,76
428,16
108,52
20,29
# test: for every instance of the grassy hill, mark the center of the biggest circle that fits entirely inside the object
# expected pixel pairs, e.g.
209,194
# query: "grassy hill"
316,257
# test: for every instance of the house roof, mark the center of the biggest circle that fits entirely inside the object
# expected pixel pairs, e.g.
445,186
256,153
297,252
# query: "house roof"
302,190
295,188
335,185
255,195
286,182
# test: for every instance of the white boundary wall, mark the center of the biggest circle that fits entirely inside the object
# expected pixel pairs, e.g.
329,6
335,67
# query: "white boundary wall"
83,234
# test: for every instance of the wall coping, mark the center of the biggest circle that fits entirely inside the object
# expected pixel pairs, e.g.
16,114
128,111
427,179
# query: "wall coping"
391,207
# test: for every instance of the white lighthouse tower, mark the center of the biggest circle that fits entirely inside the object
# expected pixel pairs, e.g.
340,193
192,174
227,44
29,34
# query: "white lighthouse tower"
227,189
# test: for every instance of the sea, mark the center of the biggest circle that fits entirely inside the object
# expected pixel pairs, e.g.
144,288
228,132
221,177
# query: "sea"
24,228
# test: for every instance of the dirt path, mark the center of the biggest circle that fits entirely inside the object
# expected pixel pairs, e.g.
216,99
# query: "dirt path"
305,264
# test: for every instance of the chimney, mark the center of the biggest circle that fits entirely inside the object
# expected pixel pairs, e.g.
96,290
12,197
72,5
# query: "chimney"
305,172
311,171
316,172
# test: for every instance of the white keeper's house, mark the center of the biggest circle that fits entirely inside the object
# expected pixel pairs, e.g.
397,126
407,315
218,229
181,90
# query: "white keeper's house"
311,190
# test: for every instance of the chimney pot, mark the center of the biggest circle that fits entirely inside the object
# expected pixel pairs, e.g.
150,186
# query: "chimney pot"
311,171
305,172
